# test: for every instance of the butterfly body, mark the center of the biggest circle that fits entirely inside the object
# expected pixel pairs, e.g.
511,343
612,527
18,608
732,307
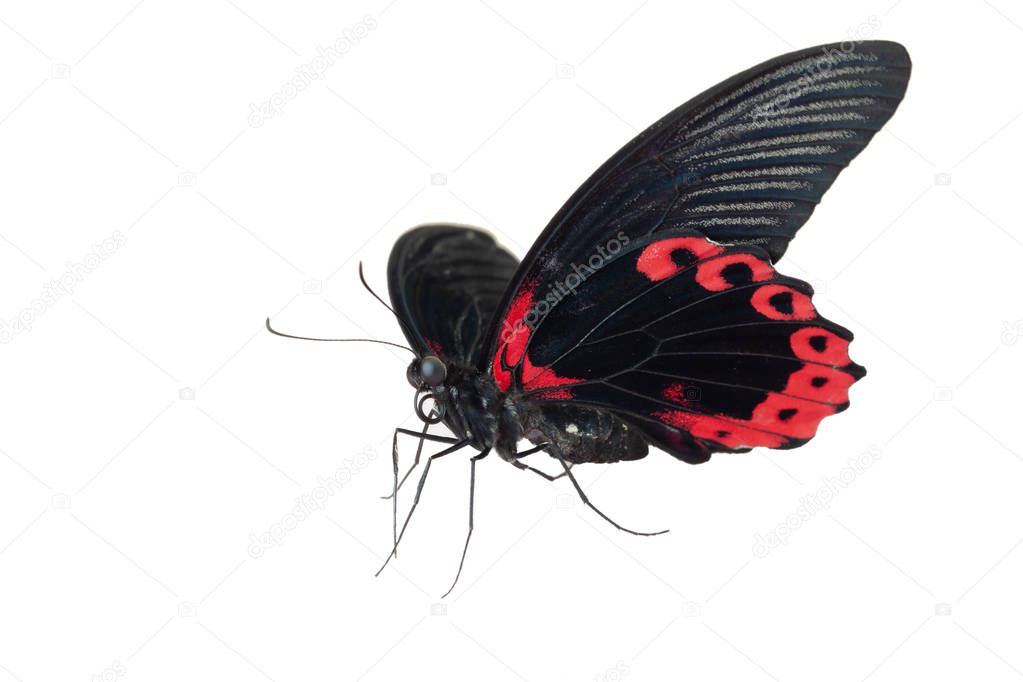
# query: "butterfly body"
490,419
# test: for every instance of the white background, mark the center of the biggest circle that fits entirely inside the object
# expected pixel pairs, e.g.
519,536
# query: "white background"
127,509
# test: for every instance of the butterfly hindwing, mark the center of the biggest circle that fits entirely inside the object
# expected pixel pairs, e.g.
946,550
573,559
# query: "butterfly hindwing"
705,346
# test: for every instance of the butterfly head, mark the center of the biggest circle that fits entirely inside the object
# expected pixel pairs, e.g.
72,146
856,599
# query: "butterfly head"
427,372
427,375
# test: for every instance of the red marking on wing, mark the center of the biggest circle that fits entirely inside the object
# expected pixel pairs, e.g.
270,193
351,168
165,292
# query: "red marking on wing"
731,434
790,416
542,377
775,419
708,275
676,393
812,392
514,336
822,384
779,302
656,260
820,345
435,348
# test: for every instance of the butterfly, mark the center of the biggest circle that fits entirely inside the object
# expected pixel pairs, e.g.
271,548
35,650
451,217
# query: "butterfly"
649,312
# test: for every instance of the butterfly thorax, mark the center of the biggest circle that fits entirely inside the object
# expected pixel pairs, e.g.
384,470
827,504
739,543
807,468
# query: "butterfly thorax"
472,406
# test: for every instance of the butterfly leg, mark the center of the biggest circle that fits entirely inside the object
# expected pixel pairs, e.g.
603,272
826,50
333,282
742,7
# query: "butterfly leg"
419,491
472,496
394,489
422,437
543,474
525,467
582,496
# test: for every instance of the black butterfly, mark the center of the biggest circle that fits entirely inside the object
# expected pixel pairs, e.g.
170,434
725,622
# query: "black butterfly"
649,311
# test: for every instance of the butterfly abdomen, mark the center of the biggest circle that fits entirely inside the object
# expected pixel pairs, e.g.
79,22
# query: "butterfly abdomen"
583,434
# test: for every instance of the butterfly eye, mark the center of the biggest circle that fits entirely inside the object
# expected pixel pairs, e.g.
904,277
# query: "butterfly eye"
413,374
432,370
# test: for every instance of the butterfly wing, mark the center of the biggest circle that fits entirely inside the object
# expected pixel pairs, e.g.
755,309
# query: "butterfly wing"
652,293
745,162
704,346
446,282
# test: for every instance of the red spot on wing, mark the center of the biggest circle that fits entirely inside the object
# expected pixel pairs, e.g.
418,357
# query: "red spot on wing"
820,345
542,377
790,416
513,336
779,302
657,261
435,348
677,393
822,384
516,345
709,274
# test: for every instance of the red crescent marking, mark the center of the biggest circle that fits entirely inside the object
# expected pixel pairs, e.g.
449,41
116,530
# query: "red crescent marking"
802,308
708,275
802,423
834,388
656,263
836,349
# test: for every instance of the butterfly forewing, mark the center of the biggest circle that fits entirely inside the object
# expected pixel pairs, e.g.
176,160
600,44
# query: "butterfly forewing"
446,281
744,162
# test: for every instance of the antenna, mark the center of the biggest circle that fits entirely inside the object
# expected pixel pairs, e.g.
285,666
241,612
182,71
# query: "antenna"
313,338
404,325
